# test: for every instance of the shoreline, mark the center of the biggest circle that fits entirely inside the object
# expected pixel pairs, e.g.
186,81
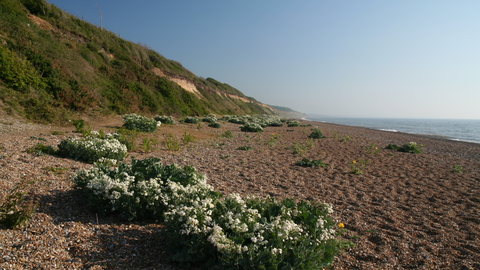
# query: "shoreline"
469,150
442,136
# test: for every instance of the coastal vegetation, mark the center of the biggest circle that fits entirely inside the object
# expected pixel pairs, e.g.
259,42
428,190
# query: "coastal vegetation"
54,67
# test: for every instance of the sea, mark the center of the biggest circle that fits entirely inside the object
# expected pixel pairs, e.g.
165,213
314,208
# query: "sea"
467,130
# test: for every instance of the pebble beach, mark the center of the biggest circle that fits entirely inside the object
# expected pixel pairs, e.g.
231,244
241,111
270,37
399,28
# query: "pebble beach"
404,211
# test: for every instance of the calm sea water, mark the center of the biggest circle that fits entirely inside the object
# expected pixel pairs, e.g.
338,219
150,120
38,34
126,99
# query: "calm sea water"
460,130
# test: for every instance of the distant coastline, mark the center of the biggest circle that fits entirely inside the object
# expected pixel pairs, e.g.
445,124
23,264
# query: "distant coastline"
466,130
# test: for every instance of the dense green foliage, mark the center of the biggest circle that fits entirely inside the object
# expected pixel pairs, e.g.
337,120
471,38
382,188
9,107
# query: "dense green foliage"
411,147
204,229
53,65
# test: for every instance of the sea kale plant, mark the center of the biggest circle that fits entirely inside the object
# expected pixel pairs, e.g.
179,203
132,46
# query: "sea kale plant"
164,119
251,127
252,233
190,120
141,189
140,123
210,118
411,147
204,228
91,149
305,162
316,134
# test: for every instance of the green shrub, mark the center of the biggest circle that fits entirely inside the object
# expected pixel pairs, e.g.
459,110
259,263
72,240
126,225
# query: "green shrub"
17,73
293,123
190,120
251,233
411,147
215,125
310,163
244,148
211,118
79,125
139,190
40,149
91,149
251,127
171,143
140,123
457,169
393,147
187,137
316,134
17,208
203,229
227,134
164,119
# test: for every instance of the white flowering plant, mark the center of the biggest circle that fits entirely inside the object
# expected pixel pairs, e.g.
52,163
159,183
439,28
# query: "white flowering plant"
91,149
262,120
140,123
190,120
164,119
137,190
251,127
205,228
253,233
210,118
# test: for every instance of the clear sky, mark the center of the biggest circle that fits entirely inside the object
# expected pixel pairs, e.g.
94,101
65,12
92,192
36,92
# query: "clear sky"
400,59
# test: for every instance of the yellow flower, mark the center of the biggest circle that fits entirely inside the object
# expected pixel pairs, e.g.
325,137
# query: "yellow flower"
376,148
354,162
341,225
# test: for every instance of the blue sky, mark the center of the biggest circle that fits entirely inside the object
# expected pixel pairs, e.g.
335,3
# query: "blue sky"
399,59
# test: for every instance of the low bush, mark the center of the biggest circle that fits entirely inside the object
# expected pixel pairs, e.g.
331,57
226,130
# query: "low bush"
91,149
411,147
139,190
187,138
292,123
227,134
316,134
40,149
251,127
171,143
17,208
79,125
190,120
203,228
164,119
215,125
305,162
244,148
211,118
252,233
140,123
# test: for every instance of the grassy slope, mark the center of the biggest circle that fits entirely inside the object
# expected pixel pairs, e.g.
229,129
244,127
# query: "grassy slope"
53,65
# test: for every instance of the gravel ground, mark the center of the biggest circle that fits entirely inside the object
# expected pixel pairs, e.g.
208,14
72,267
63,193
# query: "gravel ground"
406,211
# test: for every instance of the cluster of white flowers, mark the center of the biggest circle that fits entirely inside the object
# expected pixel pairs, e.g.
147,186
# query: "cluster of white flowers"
190,120
262,120
92,149
164,119
223,244
235,227
251,127
189,206
140,123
